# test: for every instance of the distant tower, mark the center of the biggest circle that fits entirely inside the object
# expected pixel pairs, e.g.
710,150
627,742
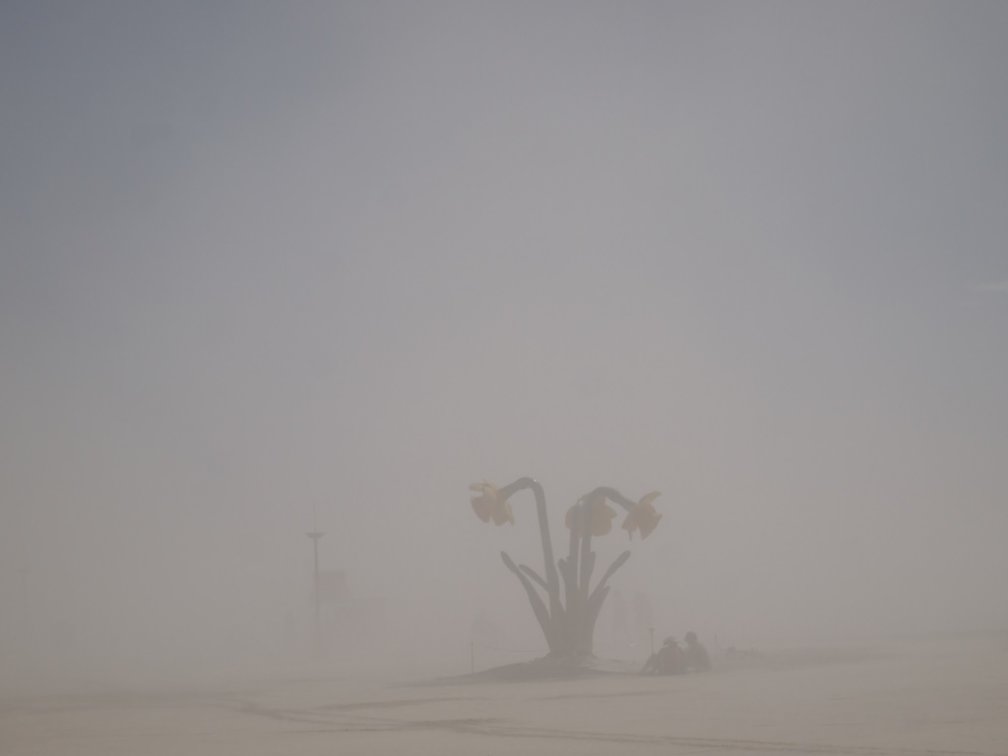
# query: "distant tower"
315,535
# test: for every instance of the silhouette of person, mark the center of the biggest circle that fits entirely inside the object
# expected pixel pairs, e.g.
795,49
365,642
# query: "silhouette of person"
668,660
696,657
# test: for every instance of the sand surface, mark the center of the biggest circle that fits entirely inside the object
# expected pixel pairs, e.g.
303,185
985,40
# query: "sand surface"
923,698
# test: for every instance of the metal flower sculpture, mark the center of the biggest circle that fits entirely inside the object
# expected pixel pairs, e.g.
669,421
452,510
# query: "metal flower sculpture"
567,621
489,505
642,517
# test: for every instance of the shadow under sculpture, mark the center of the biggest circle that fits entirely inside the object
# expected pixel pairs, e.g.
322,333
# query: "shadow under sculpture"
567,620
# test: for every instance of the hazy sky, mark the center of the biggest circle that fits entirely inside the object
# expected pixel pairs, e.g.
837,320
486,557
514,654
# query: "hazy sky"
260,257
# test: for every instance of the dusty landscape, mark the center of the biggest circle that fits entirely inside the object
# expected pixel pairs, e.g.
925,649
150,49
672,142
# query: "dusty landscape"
354,354
934,697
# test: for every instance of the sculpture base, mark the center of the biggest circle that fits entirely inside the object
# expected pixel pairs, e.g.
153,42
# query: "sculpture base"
552,668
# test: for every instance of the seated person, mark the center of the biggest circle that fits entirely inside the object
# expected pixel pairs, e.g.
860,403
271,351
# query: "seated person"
696,658
668,660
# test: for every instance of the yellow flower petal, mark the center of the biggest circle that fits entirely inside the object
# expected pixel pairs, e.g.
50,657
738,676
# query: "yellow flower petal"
502,513
489,505
601,518
482,507
642,517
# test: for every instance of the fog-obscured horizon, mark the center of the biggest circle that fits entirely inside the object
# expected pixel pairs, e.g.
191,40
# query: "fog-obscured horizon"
260,259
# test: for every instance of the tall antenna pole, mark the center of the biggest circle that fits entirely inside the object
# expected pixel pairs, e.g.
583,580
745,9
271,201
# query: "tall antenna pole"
315,535
25,600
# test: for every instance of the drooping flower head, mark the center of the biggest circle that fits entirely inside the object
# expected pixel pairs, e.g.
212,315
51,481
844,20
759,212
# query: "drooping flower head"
596,513
489,505
642,517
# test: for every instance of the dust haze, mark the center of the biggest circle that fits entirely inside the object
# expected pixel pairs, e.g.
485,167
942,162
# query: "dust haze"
275,268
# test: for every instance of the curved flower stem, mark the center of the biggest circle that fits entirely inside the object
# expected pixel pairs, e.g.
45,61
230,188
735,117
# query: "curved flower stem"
600,493
571,573
613,495
541,613
585,609
587,563
552,577
571,563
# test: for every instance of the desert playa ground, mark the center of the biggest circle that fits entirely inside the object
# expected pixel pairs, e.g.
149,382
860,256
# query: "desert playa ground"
925,697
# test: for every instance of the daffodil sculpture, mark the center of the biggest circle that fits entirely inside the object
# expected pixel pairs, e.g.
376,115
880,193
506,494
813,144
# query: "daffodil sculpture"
568,619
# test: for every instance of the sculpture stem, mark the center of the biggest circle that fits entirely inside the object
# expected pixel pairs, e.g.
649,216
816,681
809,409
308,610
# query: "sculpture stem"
552,577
